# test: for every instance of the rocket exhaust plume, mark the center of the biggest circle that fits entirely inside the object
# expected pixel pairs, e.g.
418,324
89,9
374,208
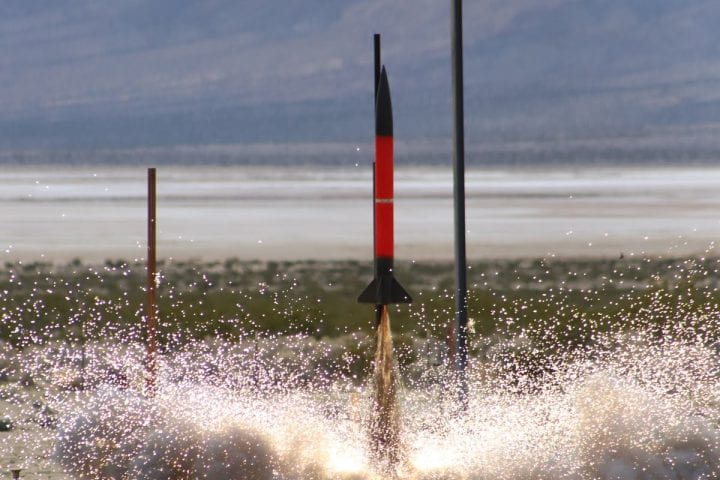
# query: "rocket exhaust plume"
384,429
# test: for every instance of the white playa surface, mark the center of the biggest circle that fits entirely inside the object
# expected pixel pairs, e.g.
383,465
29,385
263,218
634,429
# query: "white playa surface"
286,213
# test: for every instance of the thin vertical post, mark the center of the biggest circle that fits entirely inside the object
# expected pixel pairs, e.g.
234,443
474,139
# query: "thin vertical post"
459,197
151,308
378,63
83,353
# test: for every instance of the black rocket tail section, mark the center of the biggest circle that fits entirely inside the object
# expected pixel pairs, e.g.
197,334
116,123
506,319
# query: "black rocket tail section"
384,290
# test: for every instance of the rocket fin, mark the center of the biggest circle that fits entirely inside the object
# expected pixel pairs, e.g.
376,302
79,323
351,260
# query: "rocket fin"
384,290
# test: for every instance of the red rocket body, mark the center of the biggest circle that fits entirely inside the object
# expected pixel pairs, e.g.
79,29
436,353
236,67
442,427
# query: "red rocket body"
384,289
384,193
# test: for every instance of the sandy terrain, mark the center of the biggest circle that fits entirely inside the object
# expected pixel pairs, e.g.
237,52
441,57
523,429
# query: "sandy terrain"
281,213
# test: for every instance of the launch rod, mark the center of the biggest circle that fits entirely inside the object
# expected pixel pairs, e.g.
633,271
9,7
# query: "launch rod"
378,308
459,196
376,54
151,312
376,49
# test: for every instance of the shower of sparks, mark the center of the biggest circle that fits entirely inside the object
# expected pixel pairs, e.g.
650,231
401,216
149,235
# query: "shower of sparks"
591,398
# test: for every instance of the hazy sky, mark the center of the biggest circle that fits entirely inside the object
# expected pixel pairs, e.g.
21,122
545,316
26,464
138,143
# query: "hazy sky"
168,72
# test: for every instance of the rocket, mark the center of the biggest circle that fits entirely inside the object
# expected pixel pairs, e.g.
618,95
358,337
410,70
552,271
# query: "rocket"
384,289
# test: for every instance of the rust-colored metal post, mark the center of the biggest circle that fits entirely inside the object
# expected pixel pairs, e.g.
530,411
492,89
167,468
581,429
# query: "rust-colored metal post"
151,307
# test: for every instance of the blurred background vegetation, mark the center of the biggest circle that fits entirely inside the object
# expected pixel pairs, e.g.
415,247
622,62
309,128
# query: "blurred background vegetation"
568,300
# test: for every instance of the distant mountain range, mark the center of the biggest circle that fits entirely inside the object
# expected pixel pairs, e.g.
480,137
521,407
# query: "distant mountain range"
226,79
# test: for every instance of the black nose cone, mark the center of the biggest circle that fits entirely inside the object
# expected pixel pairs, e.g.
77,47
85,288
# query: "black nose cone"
383,112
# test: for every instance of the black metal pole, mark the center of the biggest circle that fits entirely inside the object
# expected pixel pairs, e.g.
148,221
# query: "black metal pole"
459,196
376,45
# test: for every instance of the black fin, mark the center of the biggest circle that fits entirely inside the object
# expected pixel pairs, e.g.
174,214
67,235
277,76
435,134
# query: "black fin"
383,291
